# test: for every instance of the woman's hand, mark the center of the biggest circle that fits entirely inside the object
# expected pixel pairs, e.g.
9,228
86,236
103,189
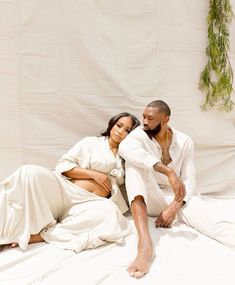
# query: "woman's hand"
81,174
103,180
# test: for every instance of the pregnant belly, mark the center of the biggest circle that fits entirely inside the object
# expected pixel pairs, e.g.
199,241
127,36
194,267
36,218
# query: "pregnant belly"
92,186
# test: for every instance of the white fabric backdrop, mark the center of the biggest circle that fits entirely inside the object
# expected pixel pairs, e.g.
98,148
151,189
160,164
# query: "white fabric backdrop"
67,66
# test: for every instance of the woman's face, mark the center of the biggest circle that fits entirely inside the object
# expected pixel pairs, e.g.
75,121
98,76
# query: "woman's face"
121,129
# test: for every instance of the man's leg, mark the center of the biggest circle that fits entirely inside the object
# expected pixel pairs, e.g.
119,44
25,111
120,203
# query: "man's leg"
143,260
145,198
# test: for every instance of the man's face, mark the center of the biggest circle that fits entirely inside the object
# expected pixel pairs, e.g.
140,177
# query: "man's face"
152,120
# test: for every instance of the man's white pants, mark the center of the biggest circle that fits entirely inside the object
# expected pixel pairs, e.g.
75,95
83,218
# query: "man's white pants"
212,217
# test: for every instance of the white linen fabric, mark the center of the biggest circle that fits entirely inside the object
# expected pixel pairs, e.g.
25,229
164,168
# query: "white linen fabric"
95,153
34,199
183,256
66,67
215,219
138,150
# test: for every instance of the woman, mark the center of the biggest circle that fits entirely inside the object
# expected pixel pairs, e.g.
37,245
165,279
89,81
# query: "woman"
66,207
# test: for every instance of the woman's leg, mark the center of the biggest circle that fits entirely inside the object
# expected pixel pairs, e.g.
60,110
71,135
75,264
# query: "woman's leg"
30,199
33,239
88,224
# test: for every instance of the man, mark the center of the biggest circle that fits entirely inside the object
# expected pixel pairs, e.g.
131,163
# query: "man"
160,159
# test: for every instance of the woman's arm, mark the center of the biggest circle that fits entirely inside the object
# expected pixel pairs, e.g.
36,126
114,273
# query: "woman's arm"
86,174
77,156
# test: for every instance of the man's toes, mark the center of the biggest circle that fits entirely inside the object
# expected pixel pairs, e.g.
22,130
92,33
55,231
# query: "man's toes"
139,274
13,244
135,272
132,274
132,270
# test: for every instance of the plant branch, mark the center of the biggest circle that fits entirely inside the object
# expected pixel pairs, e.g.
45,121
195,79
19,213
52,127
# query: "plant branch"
216,79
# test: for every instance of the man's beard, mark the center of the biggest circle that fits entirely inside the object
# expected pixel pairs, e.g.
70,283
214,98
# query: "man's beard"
154,132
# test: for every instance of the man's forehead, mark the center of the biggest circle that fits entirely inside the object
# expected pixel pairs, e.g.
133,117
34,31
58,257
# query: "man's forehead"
151,111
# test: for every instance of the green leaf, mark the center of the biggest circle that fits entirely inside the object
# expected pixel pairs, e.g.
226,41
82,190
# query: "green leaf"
216,79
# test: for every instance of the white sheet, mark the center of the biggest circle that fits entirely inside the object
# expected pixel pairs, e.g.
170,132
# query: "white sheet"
183,256
66,66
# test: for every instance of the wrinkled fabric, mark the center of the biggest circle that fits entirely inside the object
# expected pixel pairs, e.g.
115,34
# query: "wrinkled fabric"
95,153
141,152
34,199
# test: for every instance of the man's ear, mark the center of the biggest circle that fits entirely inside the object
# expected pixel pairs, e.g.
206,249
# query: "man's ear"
166,119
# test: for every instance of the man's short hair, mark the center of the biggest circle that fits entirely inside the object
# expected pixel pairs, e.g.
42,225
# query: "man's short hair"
161,105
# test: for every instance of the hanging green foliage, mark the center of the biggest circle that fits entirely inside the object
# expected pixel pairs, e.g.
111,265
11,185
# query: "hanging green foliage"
216,80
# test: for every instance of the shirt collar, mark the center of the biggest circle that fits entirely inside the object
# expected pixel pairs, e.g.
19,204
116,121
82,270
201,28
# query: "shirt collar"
173,142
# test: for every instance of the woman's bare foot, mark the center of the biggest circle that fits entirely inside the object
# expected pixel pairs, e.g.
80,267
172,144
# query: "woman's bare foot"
33,239
10,245
142,263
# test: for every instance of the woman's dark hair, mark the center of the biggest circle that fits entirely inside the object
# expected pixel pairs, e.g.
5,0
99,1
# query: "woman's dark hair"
114,119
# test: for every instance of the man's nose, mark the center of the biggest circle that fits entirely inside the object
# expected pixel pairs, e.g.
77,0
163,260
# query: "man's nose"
145,121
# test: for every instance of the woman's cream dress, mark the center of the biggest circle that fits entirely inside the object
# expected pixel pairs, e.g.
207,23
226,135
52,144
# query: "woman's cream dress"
34,199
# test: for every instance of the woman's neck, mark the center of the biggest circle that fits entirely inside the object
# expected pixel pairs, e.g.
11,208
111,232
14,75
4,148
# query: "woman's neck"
113,146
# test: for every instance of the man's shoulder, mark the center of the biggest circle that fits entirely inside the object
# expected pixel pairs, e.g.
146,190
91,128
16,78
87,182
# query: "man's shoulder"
181,135
137,132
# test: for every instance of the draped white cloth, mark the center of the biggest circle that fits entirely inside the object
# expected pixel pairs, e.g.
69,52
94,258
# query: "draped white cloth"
214,218
95,153
34,199
66,67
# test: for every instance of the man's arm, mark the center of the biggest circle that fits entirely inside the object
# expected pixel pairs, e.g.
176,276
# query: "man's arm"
167,217
134,150
183,186
175,182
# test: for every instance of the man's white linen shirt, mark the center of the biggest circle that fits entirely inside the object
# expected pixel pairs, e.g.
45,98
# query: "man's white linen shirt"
141,151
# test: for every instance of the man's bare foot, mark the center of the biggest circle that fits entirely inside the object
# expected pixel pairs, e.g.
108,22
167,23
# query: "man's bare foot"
142,263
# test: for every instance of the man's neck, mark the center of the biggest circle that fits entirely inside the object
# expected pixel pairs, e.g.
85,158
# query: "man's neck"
161,136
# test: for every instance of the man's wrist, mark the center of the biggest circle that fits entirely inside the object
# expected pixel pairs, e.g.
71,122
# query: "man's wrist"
179,204
162,168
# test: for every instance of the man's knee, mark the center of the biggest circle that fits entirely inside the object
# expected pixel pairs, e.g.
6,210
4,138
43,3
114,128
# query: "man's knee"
138,201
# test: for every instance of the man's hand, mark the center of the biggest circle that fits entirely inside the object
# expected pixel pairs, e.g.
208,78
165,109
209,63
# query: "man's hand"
167,216
175,182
